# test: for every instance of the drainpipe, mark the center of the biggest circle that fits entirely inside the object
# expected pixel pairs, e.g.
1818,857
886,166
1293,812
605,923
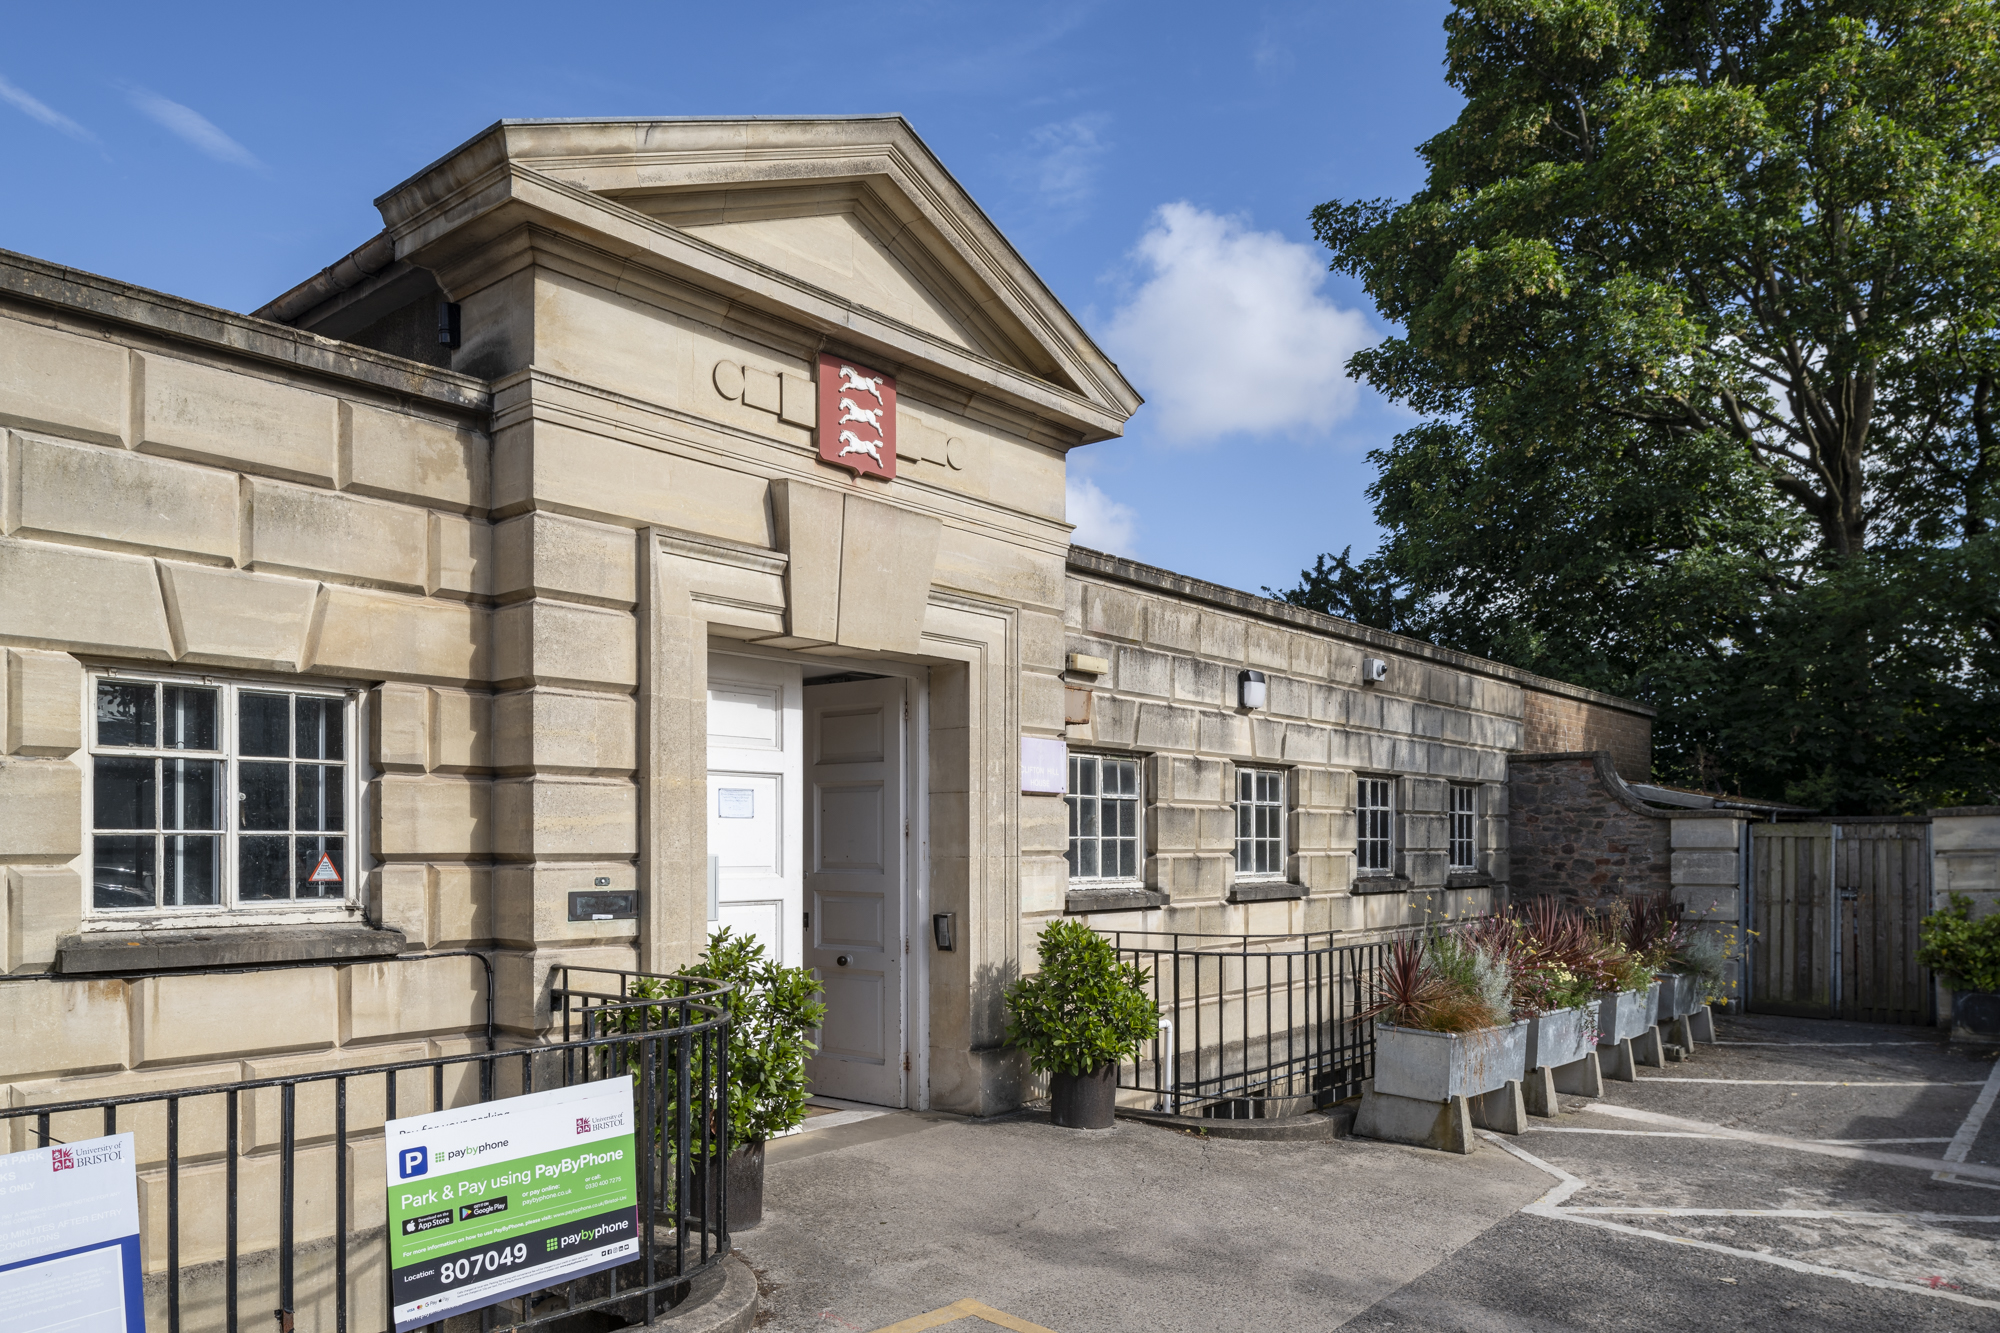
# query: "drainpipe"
370,258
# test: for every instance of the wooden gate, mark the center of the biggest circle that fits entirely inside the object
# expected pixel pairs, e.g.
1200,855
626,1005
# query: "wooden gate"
1881,869
1791,925
1833,914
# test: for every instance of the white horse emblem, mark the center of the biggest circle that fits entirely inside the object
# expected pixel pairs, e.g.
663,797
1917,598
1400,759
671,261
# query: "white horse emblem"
871,416
850,378
856,445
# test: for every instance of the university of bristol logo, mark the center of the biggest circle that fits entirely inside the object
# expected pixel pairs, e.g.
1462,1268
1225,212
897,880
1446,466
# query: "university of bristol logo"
857,417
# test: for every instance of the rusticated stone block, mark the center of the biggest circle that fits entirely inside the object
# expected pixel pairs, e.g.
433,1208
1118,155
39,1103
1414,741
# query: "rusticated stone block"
1112,612
553,643
73,599
432,816
461,730
43,693
63,1028
375,634
109,497
50,380
400,999
284,1010
226,618
238,421
565,817
551,555
399,727
44,903
41,808
413,460
531,903
300,529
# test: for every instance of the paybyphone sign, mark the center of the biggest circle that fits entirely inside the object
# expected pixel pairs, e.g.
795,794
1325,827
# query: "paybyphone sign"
492,1201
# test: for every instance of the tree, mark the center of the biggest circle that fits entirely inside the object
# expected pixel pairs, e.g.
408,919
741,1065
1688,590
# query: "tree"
1699,302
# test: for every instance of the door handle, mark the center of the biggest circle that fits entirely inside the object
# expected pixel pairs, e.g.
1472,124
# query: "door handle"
842,960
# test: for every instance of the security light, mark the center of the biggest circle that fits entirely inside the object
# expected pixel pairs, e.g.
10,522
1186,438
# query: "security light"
1250,686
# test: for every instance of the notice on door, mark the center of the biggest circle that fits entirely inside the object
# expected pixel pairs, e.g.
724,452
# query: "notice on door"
69,1238
491,1201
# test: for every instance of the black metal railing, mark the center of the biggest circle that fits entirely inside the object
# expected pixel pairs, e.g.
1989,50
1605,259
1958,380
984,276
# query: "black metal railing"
1254,1025
318,1257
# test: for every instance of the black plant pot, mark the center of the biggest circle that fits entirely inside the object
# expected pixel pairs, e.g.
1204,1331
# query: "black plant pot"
1084,1101
1977,1014
745,1179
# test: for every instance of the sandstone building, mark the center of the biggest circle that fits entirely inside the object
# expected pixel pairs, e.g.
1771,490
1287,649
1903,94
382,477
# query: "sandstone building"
476,593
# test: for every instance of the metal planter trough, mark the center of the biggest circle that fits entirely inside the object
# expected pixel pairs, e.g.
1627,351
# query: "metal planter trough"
1680,995
1562,1037
1623,1015
1437,1066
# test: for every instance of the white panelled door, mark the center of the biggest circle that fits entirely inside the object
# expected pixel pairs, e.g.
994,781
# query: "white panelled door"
755,799
857,849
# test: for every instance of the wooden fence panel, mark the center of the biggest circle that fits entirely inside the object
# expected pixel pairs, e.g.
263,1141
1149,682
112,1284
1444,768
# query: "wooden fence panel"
1881,873
1791,947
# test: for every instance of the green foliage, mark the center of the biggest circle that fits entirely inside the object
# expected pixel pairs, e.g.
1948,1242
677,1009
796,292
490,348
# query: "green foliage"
1701,304
1474,968
1446,982
1084,1009
773,1011
1964,951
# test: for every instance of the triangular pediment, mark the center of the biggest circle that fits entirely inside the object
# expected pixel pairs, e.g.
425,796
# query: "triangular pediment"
844,242
849,225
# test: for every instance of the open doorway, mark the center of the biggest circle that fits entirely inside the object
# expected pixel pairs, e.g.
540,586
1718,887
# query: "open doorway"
815,848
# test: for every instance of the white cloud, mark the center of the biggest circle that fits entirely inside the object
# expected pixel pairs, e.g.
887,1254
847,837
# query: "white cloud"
1230,334
194,127
1101,522
1060,162
41,111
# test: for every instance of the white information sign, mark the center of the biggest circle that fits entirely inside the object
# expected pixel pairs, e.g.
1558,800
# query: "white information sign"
69,1239
488,1202
1044,766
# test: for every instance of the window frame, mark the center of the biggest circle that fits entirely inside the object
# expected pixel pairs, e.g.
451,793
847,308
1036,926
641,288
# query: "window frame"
1138,836
230,909
1281,808
1470,841
1364,815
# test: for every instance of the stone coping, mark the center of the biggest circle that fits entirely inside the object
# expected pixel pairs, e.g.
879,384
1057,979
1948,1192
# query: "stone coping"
114,952
29,279
1083,560
1113,900
1265,891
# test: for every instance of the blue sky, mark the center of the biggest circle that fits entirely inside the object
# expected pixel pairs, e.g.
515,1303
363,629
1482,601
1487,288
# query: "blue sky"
1155,162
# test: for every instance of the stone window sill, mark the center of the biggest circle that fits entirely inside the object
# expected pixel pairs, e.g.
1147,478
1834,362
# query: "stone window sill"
111,952
1381,884
1264,891
1110,898
1468,879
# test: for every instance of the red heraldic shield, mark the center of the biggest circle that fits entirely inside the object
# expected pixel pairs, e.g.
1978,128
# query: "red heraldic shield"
857,417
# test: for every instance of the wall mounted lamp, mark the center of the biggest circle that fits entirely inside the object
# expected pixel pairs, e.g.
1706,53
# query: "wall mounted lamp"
1250,689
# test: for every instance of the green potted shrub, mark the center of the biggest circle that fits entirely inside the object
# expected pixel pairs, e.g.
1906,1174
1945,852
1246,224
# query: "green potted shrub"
1077,1018
773,1012
1965,954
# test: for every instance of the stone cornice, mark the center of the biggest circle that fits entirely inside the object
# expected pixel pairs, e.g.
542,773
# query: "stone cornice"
33,280
1083,560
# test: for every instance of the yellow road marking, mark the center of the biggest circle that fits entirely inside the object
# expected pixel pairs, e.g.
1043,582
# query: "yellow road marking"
960,1310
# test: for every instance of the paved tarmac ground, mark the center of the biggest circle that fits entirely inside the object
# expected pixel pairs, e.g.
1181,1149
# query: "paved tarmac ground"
1650,1209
